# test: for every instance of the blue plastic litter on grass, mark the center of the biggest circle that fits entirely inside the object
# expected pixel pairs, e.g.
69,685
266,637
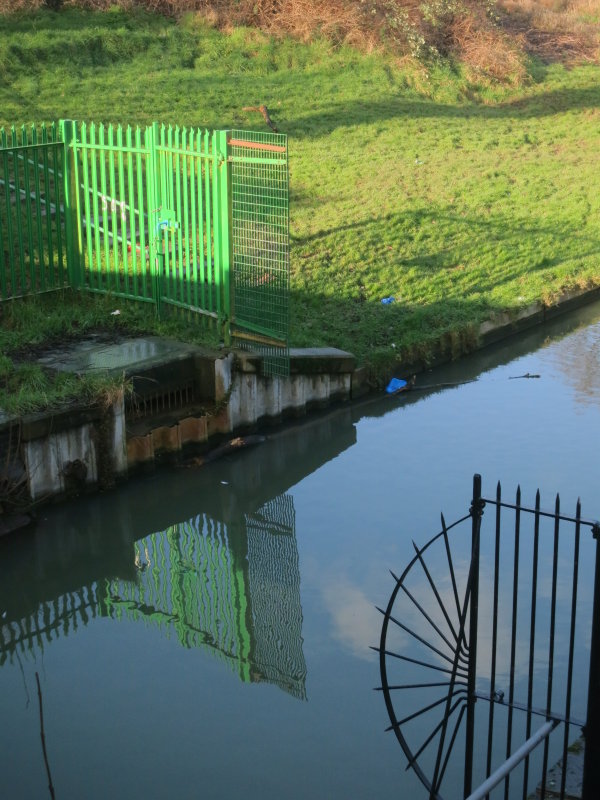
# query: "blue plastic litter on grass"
395,385
387,300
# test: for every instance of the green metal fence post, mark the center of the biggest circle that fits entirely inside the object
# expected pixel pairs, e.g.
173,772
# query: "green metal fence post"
224,239
68,134
156,239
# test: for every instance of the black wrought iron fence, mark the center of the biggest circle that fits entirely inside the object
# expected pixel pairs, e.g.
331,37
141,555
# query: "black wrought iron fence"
490,653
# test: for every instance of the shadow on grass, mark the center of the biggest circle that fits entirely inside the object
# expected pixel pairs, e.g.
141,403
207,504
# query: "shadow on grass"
442,294
285,96
396,106
455,254
385,337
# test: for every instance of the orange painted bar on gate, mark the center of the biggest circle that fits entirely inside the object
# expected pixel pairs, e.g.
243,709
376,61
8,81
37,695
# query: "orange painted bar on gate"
272,148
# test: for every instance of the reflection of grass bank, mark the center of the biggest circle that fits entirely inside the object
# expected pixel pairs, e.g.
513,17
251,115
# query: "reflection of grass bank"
459,198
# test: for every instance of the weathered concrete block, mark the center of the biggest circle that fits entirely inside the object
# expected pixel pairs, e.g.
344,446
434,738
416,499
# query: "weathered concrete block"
223,377
118,443
140,450
193,429
310,360
47,458
293,395
242,401
166,439
268,397
316,390
340,386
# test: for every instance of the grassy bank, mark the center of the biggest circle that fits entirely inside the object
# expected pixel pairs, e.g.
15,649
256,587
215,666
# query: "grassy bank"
459,197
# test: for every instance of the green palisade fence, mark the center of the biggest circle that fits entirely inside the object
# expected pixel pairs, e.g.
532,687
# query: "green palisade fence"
178,217
115,251
32,219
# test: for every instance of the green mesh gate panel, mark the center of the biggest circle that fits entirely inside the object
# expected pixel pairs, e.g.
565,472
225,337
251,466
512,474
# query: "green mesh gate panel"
260,245
32,220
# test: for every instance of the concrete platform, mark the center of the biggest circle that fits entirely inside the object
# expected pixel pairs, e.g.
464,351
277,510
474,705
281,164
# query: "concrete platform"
97,353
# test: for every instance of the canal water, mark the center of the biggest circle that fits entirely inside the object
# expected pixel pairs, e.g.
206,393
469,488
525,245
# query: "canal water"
206,632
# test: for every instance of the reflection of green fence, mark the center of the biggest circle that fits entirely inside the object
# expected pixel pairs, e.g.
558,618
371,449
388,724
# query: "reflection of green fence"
177,217
188,584
274,592
235,593
53,619
232,590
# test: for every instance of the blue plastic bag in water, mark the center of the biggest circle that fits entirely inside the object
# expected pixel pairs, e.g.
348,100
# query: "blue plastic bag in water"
395,385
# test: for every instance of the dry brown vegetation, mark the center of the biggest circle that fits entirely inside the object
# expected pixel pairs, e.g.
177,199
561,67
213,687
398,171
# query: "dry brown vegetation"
490,37
555,30
416,28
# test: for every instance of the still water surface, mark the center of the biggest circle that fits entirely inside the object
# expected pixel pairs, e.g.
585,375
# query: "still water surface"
205,633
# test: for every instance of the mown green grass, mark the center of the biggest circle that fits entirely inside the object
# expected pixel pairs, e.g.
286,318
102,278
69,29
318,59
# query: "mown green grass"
459,198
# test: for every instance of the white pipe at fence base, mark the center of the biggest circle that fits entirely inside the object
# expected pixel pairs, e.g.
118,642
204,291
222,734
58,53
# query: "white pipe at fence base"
486,787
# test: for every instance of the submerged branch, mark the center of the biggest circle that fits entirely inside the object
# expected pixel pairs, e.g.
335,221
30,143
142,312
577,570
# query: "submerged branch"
43,738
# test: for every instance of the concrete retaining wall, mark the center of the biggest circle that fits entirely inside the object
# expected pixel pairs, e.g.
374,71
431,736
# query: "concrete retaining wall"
86,448
80,449
245,399
70,451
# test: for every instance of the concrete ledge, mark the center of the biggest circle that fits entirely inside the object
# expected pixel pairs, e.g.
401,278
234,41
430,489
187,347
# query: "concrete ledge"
506,325
320,360
73,450
42,424
303,361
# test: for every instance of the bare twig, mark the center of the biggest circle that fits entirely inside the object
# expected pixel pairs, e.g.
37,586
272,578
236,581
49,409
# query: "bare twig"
43,738
265,112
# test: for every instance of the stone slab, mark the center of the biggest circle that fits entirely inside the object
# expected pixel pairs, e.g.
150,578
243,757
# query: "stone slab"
95,354
311,360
